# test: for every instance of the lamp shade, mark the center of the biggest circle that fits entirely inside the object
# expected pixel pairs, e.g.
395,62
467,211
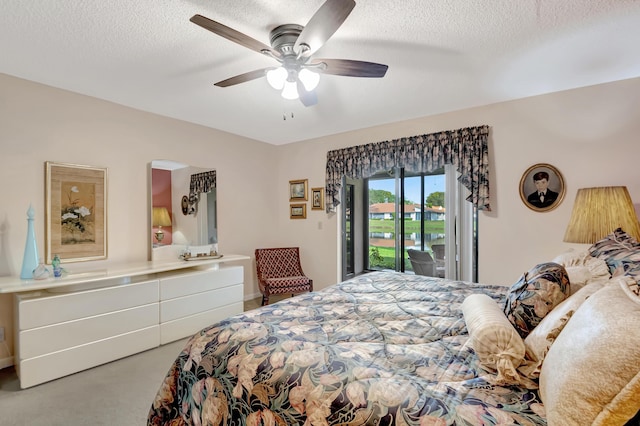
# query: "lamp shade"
161,217
599,211
276,77
309,79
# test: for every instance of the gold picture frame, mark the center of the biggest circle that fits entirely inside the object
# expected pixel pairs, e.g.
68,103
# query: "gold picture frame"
298,190
317,198
297,211
75,212
553,186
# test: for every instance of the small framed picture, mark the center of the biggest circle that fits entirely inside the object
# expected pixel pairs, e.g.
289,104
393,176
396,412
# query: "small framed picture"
297,211
542,187
298,190
317,198
76,212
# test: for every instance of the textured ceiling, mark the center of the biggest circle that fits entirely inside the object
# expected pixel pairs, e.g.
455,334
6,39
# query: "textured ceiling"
443,55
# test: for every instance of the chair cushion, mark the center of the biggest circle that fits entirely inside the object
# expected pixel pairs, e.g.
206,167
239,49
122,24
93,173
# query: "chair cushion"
296,284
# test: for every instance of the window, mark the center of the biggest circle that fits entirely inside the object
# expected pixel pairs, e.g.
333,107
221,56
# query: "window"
424,212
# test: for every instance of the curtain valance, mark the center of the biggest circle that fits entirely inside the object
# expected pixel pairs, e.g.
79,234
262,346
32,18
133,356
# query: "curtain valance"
200,183
466,149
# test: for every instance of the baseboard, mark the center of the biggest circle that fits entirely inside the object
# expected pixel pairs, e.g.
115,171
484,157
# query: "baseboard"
6,362
252,296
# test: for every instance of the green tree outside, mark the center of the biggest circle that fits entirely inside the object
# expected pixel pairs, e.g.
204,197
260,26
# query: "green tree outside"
435,199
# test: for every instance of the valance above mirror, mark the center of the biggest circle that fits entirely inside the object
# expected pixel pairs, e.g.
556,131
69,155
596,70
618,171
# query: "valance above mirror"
200,183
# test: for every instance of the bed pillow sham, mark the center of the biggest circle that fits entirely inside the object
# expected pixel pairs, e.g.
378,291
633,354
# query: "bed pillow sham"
535,294
499,347
538,342
597,352
620,251
582,268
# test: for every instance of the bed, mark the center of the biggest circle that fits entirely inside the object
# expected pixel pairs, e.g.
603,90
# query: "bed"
388,348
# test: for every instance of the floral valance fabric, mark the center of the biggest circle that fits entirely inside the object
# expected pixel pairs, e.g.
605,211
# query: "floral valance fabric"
466,149
200,183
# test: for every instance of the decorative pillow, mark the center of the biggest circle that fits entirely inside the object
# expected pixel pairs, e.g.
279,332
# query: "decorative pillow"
539,341
582,268
617,249
572,257
579,276
498,346
535,295
591,374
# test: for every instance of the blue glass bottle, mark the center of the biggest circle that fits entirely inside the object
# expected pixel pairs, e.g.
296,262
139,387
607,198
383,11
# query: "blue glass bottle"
30,259
55,263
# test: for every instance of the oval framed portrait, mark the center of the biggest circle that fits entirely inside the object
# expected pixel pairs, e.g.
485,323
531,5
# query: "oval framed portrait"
542,187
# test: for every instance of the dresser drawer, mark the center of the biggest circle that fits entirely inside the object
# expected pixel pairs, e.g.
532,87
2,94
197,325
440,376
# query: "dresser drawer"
52,338
47,309
44,368
184,284
188,326
195,303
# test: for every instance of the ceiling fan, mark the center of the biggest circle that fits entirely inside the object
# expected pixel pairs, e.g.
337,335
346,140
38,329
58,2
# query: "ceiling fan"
293,46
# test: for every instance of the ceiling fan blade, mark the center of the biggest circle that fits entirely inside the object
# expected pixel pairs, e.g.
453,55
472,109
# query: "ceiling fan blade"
308,98
233,35
322,25
349,68
242,78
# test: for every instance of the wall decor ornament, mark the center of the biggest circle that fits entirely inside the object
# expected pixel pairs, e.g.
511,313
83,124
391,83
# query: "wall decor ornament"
298,190
297,211
317,198
76,212
542,187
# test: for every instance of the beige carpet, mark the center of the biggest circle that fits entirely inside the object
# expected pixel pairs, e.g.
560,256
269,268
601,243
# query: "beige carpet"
117,393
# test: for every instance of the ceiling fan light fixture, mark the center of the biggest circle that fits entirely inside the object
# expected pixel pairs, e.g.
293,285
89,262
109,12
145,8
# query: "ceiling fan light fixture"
290,91
309,79
277,77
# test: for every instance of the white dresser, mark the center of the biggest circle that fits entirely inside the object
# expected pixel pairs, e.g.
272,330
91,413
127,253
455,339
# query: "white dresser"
69,324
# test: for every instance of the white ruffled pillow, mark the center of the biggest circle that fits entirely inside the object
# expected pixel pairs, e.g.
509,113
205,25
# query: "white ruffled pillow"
538,342
499,347
582,268
591,374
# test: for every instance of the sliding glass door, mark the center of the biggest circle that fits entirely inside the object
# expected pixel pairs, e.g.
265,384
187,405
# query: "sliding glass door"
419,212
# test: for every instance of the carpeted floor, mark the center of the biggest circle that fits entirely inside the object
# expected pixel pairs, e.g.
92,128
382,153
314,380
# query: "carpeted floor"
119,393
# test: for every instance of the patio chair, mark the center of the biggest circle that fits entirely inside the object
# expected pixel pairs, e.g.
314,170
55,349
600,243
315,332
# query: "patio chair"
438,256
279,272
422,263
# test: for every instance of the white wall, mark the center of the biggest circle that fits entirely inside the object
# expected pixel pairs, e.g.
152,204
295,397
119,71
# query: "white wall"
590,135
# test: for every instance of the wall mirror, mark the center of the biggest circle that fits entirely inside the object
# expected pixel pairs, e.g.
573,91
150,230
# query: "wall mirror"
182,208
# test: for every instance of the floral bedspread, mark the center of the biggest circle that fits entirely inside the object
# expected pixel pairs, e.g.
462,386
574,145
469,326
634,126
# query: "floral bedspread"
384,348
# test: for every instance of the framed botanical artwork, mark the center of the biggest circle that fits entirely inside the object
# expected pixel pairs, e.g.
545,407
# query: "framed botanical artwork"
317,198
297,211
76,212
542,187
298,190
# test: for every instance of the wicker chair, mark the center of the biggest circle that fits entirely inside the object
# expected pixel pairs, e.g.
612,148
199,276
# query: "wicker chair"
279,272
